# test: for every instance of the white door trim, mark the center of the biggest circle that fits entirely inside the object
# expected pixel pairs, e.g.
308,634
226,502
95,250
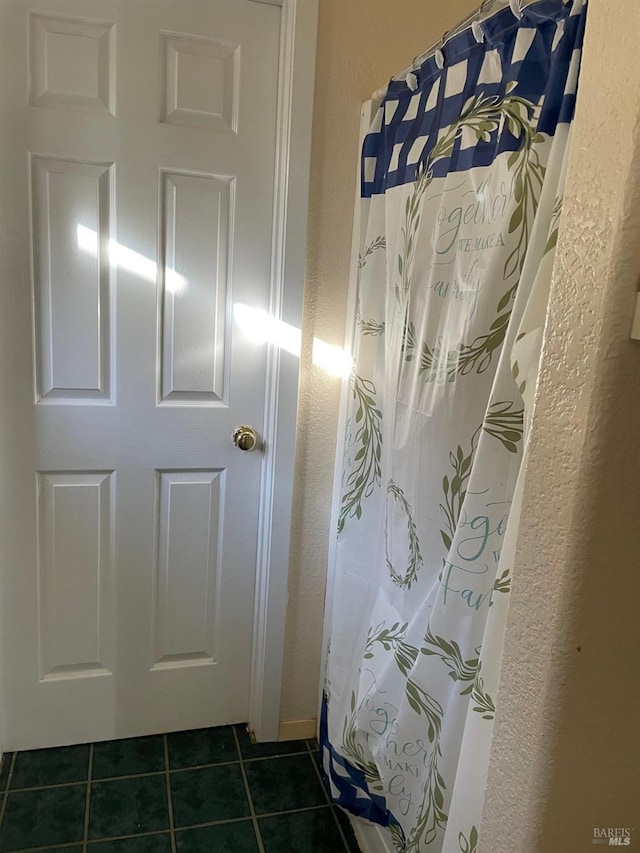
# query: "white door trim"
295,109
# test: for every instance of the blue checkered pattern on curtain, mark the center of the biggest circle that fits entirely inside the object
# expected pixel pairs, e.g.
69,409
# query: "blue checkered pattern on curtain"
536,51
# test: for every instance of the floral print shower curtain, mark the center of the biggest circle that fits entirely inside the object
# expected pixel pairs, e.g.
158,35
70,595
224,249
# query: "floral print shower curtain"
461,194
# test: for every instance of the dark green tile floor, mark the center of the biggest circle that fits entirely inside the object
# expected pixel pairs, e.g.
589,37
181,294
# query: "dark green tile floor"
208,791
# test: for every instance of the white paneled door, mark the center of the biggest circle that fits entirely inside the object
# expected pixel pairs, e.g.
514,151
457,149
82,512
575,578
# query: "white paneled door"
138,149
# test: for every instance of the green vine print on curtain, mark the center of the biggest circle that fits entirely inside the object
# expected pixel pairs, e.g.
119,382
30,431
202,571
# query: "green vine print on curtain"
432,816
455,488
366,472
379,242
449,653
405,656
483,115
470,844
505,422
484,704
465,670
365,475
354,751
371,326
415,562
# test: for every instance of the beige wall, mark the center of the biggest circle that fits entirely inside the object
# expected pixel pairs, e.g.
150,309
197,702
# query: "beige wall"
361,43
566,749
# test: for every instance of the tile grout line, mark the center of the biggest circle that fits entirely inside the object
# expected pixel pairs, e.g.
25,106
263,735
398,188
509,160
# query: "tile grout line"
97,842
247,817
156,772
75,784
152,833
271,757
50,849
172,827
5,795
87,805
328,799
252,811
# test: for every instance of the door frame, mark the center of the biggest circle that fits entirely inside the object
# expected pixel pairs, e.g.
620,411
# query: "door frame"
292,168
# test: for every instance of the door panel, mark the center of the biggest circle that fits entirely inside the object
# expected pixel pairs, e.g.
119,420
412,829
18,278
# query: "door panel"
187,566
197,212
72,63
188,60
138,173
72,288
75,539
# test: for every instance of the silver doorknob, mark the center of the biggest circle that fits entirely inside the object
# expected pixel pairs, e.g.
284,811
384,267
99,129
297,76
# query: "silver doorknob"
245,438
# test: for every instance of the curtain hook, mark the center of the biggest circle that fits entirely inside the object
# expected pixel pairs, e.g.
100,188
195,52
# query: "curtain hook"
412,81
411,78
439,54
516,8
478,32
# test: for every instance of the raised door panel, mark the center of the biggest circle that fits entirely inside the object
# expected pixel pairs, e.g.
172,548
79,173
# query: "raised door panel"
189,543
75,574
72,64
71,228
194,241
200,82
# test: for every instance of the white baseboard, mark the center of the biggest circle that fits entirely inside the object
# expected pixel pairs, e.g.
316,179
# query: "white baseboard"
298,729
370,837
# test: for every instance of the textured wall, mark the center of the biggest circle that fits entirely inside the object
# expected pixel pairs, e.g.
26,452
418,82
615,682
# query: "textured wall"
565,756
361,43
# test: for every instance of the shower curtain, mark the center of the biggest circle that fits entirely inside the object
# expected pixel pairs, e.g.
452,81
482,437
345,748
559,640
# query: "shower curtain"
461,193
